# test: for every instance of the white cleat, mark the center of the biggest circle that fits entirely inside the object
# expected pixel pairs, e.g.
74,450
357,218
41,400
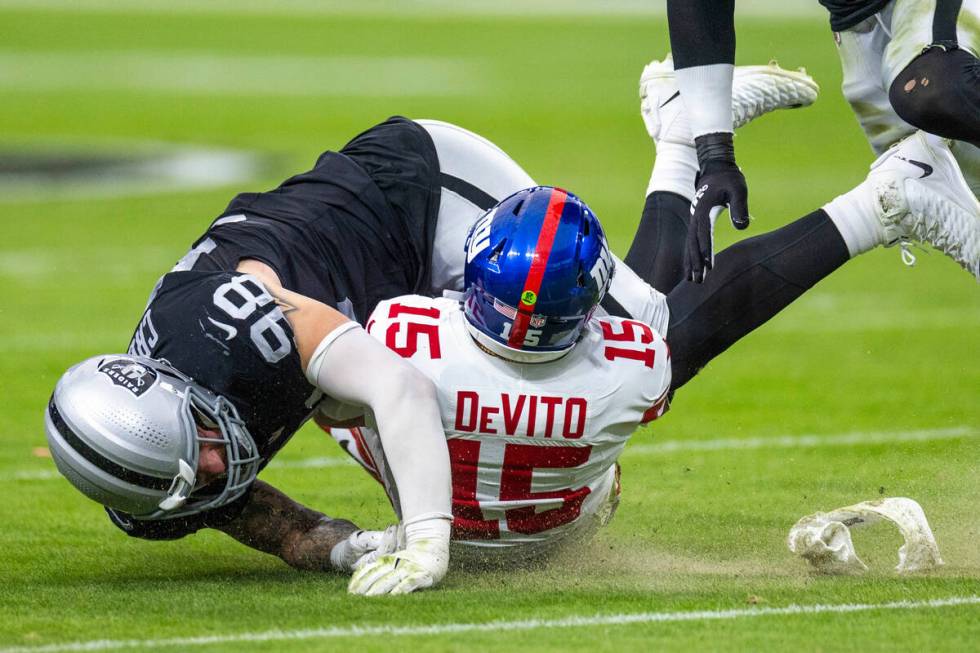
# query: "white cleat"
921,195
968,158
755,90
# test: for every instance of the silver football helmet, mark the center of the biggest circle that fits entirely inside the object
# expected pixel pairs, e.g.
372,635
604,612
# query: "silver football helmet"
124,431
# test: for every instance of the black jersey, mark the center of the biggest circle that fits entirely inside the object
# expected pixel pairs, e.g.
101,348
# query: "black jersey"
845,14
354,230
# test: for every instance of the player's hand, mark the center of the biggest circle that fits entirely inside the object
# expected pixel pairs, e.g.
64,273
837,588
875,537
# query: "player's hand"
364,547
720,185
422,563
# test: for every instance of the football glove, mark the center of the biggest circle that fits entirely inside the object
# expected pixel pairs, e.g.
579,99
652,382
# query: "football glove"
720,184
422,563
364,547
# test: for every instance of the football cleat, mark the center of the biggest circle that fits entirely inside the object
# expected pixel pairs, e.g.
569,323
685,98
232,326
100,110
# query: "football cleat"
968,158
921,195
756,90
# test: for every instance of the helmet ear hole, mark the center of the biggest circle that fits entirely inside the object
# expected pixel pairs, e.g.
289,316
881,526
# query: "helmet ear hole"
580,281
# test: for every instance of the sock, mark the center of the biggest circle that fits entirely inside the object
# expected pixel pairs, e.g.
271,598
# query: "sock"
674,170
657,251
853,213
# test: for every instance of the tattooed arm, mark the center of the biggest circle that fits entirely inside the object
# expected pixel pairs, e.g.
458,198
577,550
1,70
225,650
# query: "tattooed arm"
273,523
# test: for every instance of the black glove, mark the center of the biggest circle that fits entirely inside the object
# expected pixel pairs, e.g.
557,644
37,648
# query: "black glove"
719,184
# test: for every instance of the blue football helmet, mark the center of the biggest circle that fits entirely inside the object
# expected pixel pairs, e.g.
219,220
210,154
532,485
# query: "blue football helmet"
537,266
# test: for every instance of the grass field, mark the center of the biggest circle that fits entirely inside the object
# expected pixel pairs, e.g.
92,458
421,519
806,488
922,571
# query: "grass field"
879,362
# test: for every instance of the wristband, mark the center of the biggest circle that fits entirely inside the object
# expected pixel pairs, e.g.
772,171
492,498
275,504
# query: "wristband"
427,526
718,146
340,552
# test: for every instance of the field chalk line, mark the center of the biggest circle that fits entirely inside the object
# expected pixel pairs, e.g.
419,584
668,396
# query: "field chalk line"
493,626
855,438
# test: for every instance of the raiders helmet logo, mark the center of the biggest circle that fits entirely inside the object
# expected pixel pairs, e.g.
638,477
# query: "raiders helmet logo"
134,376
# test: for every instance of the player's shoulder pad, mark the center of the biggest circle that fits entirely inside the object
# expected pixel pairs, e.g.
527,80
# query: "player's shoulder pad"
640,358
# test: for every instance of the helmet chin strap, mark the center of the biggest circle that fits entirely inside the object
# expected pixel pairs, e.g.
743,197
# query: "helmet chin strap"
181,489
494,348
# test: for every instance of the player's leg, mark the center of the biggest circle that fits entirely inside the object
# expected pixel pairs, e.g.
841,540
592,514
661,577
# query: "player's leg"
878,59
862,50
931,68
913,191
475,174
750,282
657,252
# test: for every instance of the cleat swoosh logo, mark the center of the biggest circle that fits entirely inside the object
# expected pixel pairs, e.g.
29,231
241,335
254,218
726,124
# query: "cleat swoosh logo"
230,331
670,99
925,167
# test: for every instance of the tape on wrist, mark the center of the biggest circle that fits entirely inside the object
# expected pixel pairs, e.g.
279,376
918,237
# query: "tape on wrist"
428,526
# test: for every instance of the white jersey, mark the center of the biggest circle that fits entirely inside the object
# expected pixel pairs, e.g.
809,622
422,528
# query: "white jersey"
533,447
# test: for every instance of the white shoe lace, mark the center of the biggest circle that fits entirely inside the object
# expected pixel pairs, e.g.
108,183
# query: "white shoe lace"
931,232
908,258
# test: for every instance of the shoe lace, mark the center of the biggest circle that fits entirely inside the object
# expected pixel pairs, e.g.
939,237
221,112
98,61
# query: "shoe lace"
908,258
931,231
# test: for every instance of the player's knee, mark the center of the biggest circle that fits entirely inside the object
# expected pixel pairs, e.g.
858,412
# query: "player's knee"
939,92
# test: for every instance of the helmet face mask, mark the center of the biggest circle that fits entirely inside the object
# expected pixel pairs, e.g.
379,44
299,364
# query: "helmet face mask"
124,431
223,426
537,266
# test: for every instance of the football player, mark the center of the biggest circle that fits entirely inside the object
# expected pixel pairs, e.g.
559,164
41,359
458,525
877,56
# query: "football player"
539,389
259,322
907,64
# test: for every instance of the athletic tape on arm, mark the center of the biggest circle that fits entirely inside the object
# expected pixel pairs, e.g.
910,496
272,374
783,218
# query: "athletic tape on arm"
355,368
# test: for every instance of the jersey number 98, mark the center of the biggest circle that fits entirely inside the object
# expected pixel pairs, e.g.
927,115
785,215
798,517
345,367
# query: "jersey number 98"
241,298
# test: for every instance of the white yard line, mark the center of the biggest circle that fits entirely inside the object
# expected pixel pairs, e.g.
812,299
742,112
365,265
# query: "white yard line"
856,438
495,626
805,441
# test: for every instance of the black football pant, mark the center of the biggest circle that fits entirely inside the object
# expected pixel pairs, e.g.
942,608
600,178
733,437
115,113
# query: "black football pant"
751,281
939,92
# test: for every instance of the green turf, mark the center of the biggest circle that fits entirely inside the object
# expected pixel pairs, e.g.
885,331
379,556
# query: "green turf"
877,347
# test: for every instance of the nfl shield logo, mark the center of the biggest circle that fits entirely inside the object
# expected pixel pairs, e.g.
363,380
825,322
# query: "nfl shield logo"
125,372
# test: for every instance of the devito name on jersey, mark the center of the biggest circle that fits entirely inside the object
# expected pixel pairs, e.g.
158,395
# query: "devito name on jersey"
533,447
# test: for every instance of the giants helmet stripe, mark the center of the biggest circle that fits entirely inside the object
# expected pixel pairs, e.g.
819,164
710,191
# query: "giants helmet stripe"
532,285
